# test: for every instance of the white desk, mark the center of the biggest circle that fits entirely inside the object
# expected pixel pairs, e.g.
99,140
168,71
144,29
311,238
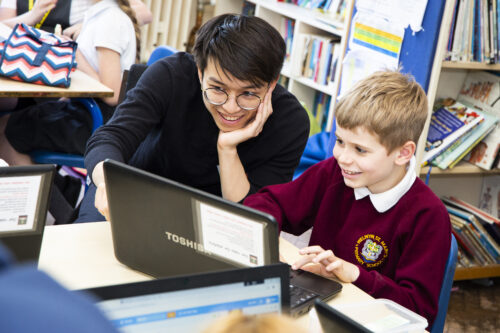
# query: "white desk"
82,85
81,256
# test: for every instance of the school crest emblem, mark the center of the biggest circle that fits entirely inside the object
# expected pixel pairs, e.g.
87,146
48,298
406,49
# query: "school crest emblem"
371,251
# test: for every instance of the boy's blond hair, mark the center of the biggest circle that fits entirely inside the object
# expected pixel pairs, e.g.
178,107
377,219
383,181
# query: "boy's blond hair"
265,323
389,104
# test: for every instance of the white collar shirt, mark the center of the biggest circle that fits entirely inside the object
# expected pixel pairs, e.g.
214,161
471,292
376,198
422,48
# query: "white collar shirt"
386,200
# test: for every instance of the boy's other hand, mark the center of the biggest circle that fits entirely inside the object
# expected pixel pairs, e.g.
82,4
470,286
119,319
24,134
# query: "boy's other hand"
253,128
323,262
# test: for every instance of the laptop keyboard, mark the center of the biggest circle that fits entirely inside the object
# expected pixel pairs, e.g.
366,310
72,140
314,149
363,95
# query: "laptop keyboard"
300,295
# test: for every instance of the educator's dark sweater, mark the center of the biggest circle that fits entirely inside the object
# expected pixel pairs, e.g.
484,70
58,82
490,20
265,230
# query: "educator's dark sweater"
401,253
163,127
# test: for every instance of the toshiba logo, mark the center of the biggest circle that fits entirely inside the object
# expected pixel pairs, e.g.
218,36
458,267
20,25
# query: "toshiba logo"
184,242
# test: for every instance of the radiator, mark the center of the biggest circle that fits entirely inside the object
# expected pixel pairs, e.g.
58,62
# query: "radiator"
171,25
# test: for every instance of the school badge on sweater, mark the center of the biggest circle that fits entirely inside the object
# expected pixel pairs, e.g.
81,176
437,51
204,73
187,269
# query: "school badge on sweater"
371,251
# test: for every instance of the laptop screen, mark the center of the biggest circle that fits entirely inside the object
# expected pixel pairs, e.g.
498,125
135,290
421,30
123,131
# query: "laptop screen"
230,237
18,202
155,220
192,303
24,199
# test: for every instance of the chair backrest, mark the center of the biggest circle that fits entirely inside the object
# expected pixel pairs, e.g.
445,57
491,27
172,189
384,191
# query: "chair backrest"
131,76
444,295
161,51
72,160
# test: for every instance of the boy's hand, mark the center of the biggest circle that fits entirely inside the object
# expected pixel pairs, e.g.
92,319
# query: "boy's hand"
253,128
325,263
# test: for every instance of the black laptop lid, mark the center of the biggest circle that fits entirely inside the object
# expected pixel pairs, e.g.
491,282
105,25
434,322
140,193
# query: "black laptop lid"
164,228
190,303
24,199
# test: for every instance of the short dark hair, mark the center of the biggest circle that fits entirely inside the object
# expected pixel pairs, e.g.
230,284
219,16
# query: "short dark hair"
248,48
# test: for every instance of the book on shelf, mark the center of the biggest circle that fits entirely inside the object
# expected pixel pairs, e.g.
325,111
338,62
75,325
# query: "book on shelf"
318,59
482,90
479,244
488,221
462,146
333,8
489,201
474,31
487,232
461,241
287,28
449,122
462,233
248,8
321,108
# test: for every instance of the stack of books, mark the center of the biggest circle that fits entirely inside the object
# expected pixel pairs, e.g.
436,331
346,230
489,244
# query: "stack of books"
288,26
321,109
477,233
319,56
474,31
459,128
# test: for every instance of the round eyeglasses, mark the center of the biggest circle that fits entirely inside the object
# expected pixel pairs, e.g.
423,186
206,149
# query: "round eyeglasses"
247,101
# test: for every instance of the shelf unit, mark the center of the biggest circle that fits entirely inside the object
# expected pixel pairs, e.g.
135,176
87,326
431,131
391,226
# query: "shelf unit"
471,65
462,168
480,272
464,180
306,22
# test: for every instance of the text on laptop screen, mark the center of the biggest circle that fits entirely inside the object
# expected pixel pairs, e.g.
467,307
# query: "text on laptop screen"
192,310
231,237
18,202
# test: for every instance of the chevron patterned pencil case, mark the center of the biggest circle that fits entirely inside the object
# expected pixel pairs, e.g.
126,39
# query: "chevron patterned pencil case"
36,56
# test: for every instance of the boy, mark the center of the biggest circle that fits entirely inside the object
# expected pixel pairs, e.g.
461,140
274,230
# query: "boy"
375,223
216,121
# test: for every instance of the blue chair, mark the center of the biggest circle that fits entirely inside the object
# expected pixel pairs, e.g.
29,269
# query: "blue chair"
159,52
319,147
444,295
72,160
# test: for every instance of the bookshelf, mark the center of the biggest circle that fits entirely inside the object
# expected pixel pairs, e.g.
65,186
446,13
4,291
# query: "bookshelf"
464,180
445,80
306,22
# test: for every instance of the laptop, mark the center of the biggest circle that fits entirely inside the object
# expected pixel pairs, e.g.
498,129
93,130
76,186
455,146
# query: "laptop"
332,320
164,228
24,200
190,303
